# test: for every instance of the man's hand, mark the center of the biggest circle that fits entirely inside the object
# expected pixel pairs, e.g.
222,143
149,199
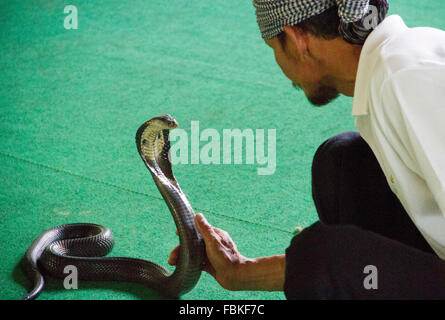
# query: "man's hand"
232,270
223,259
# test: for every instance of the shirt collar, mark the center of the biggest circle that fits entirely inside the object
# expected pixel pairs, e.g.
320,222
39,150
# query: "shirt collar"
368,58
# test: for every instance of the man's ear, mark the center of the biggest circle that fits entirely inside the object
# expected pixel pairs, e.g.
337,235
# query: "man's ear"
298,39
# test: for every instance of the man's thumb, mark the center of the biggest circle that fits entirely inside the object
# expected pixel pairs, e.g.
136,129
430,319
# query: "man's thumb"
203,226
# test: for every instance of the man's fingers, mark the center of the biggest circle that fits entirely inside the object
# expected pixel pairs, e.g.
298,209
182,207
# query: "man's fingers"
207,267
204,228
173,259
222,233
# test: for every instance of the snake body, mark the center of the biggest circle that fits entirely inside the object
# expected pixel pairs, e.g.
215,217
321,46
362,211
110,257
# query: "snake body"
84,245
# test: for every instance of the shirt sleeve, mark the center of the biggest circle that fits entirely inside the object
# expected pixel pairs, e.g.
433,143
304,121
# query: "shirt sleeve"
418,95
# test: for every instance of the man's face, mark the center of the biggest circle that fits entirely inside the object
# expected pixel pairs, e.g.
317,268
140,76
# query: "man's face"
306,74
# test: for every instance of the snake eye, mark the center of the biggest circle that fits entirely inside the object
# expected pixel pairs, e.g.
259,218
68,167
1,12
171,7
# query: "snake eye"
144,141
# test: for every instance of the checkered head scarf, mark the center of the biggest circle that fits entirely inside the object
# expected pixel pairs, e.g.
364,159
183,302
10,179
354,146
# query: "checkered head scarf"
273,15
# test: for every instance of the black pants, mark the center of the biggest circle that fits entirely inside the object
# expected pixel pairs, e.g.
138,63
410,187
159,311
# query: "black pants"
365,246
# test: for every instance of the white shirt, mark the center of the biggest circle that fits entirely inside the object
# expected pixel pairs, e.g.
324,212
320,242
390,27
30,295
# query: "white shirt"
399,105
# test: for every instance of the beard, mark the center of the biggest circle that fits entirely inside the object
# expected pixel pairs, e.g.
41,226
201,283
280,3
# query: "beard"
323,95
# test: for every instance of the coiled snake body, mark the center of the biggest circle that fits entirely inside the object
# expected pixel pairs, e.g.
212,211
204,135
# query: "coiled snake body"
83,245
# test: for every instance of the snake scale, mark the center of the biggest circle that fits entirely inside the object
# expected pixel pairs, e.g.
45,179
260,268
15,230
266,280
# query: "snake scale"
84,245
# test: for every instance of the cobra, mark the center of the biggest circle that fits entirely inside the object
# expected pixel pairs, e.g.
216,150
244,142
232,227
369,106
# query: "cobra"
84,245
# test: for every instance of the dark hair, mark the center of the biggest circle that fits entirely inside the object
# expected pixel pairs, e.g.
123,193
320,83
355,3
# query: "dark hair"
324,25
327,25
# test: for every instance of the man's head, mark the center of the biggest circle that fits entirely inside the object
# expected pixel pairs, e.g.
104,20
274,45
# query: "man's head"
313,44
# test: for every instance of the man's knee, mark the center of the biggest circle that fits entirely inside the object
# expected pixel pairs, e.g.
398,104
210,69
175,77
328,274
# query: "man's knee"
330,152
327,167
313,257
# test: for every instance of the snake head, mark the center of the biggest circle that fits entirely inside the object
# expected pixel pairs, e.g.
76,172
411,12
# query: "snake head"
164,121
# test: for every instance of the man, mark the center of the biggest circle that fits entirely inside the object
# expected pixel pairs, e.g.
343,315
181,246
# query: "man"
379,193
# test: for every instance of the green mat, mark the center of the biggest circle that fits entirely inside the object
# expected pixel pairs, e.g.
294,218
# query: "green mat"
71,101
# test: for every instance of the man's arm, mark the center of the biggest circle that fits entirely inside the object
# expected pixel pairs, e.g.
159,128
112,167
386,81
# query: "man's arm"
232,270
414,106
262,274
418,94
